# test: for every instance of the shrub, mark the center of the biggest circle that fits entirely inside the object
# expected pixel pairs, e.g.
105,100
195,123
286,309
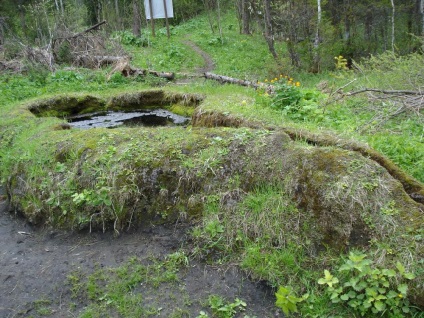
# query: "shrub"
368,289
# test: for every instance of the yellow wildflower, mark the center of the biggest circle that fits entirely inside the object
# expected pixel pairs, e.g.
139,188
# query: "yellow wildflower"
297,84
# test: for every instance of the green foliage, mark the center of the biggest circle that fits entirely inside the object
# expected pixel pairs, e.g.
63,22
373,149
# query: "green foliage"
287,299
223,309
66,76
64,54
128,38
118,78
368,289
295,102
341,63
38,74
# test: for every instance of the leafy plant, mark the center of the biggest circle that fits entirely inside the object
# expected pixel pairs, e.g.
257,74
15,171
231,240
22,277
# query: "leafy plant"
368,289
127,38
287,299
341,63
223,309
286,95
294,101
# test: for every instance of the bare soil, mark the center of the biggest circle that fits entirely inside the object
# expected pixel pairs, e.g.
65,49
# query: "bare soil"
35,264
209,64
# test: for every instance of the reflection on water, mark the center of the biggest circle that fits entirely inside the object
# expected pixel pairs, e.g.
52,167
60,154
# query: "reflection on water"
111,119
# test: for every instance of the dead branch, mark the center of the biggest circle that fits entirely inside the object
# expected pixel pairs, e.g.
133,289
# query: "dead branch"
383,91
388,104
81,33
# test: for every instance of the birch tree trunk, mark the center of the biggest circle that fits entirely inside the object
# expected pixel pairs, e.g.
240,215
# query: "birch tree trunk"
393,25
316,56
62,8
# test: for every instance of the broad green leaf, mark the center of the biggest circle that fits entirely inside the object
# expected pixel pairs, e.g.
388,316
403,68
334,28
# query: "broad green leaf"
361,286
367,304
334,295
403,288
382,290
344,297
345,267
406,309
379,305
392,294
371,292
388,272
400,268
351,294
409,276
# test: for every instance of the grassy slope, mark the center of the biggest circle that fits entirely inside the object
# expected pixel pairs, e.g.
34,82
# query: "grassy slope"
242,57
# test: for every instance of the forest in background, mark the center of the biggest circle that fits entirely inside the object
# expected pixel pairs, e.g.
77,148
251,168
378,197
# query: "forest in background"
312,31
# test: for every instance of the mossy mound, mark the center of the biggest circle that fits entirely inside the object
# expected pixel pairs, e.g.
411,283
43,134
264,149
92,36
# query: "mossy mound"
332,199
414,188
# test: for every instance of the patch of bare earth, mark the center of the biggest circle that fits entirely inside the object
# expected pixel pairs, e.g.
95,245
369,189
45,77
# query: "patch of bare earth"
35,264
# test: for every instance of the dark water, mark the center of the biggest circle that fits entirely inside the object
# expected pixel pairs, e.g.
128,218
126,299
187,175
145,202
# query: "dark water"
146,118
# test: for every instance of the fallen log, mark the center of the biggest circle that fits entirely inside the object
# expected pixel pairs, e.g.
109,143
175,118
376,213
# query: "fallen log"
231,80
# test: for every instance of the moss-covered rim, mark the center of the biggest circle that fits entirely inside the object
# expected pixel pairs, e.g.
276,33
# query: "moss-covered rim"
414,188
68,105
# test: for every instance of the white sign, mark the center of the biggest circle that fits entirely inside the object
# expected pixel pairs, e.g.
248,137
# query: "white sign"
158,9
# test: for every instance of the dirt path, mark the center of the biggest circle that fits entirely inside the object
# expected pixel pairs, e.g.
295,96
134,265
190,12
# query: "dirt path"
35,264
209,63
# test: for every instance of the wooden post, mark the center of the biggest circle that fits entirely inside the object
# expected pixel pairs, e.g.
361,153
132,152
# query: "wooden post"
166,18
152,21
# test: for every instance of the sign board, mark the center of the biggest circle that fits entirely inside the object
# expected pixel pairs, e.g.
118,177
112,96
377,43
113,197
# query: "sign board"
158,9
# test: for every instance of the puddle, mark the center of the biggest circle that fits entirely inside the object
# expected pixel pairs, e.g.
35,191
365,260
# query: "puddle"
113,119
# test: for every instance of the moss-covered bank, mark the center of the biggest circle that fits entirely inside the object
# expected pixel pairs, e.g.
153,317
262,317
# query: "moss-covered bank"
114,179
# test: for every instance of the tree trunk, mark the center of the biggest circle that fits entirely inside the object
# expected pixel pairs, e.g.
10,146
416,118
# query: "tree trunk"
245,17
269,36
62,8
209,9
21,10
316,56
393,25
219,21
422,16
136,19
2,22
118,16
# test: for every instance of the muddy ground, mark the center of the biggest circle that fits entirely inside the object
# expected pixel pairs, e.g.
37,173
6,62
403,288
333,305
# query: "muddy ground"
35,264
